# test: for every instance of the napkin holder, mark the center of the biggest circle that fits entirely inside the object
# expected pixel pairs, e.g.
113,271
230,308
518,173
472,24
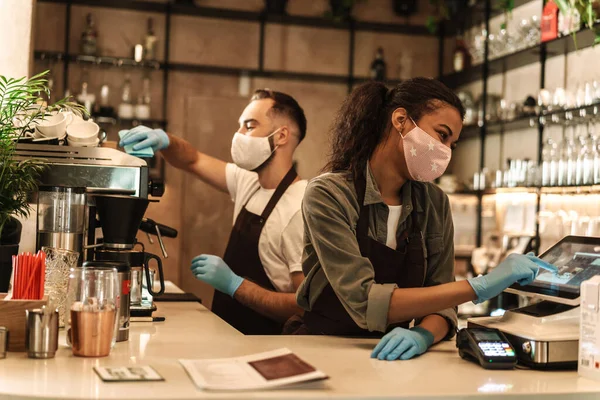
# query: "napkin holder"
13,317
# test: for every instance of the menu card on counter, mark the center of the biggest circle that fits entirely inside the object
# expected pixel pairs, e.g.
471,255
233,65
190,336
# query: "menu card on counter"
128,374
258,371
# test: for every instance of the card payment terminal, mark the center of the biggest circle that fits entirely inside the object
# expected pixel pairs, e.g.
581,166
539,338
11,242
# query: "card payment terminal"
488,347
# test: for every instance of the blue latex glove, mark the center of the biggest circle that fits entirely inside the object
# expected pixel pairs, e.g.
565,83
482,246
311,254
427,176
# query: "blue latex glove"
214,271
518,268
403,344
142,137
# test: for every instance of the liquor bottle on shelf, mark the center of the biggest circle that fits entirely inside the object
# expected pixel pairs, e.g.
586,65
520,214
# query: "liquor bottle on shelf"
142,108
126,106
85,98
150,42
461,58
89,37
549,23
378,66
50,82
105,109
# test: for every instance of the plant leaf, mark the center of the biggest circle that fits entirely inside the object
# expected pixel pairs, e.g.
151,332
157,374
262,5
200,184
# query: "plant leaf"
20,102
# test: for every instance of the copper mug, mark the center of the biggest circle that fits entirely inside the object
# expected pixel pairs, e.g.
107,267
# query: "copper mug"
92,301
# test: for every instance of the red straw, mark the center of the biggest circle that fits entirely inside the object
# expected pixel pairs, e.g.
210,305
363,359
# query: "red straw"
19,276
35,277
28,276
31,277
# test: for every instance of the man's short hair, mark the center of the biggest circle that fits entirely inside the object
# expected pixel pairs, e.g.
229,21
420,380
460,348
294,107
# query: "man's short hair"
285,105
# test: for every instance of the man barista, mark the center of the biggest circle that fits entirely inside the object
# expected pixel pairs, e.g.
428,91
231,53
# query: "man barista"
257,278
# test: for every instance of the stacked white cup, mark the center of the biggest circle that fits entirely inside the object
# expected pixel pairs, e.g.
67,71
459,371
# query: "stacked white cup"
54,125
83,134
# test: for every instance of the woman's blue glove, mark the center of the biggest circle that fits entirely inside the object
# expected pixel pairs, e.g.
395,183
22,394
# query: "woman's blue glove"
403,344
516,268
143,137
214,271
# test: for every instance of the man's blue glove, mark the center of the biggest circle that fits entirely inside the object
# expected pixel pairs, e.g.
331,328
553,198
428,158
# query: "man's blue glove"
403,344
516,268
214,271
142,137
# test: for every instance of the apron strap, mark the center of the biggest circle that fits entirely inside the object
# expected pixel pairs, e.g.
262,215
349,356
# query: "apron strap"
413,214
285,183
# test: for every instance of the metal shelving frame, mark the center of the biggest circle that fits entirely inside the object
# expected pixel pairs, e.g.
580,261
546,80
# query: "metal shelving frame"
169,10
501,65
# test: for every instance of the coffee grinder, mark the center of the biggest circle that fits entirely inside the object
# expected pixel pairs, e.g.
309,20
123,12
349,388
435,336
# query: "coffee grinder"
119,218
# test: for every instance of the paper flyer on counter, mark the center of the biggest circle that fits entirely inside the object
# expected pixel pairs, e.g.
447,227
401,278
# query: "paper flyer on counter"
257,371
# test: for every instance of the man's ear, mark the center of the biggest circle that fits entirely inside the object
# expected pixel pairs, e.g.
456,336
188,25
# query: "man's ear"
282,136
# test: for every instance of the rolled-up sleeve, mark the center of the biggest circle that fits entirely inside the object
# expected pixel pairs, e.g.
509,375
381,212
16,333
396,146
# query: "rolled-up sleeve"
329,220
441,267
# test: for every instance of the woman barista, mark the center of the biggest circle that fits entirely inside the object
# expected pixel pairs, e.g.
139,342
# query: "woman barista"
379,236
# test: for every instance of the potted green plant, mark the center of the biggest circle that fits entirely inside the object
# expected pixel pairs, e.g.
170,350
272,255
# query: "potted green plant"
21,108
341,10
456,10
276,7
588,12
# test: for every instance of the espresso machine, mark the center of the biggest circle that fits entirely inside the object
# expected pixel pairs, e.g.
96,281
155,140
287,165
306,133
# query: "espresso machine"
99,170
115,187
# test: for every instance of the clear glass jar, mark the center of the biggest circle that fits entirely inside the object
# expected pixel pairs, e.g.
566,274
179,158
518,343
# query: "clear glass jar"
59,263
92,304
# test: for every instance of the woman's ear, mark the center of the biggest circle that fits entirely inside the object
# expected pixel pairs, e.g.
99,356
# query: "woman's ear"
399,117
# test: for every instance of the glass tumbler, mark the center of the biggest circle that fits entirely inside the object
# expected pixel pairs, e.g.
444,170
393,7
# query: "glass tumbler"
92,301
58,267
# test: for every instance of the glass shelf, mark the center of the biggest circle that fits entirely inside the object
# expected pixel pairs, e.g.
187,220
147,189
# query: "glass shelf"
557,47
588,189
97,60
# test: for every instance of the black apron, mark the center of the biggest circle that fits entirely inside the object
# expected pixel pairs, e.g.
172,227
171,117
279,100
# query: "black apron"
242,257
406,267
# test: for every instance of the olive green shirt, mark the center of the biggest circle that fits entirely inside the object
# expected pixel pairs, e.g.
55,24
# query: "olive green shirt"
332,256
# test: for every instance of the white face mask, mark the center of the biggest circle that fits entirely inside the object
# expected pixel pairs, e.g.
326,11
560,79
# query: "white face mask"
249,152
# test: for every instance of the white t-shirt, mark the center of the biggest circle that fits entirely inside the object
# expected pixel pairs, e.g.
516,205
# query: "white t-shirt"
392,226
282,238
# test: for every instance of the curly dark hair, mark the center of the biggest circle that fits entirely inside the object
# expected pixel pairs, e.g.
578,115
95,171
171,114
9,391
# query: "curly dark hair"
364,118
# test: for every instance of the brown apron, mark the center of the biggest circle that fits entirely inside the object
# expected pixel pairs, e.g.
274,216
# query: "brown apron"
242,257
405,266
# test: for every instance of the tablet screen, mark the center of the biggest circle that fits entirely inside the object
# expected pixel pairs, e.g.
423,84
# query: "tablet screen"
576,263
